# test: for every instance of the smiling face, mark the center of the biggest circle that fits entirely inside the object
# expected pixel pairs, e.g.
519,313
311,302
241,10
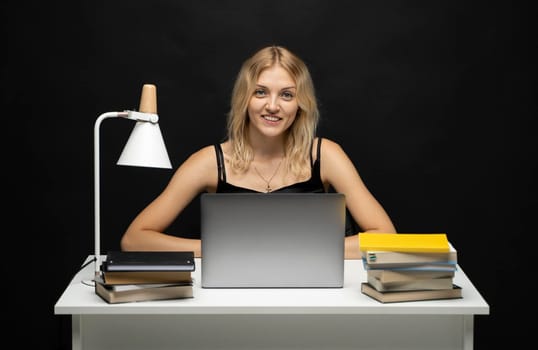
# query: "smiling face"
273,106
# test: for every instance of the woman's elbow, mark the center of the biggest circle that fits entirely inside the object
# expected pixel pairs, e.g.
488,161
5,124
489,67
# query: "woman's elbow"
127,243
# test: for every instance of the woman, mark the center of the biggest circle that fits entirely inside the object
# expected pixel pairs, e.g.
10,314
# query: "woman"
271,147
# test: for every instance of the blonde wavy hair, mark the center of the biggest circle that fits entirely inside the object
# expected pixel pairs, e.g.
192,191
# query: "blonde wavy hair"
301,133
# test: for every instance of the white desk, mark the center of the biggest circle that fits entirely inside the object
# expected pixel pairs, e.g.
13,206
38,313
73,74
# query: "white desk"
272,318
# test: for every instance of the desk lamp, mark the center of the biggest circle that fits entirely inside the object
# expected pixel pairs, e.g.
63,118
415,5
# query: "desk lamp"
145,147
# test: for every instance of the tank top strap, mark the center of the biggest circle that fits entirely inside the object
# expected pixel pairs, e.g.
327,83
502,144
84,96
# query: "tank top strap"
318,153
220,163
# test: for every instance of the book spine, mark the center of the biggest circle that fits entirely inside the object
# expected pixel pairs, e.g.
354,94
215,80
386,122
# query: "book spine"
412,267
388,276
381,257
424,284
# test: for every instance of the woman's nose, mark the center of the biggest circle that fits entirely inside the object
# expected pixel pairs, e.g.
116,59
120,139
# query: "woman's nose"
272,106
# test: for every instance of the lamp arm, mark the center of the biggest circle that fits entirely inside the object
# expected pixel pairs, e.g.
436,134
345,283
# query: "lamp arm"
96,187
140,116
137,116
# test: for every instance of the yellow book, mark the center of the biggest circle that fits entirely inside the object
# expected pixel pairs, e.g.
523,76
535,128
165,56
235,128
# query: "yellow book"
404,242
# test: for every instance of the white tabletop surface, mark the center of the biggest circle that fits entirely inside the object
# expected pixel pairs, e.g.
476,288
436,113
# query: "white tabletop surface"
79,298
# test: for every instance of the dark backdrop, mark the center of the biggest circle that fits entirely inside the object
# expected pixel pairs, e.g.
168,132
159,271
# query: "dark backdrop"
434,101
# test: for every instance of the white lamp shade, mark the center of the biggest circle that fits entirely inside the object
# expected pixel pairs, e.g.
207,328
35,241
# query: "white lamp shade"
145,147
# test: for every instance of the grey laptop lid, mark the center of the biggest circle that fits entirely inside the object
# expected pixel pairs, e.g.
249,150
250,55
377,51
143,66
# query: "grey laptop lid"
272,240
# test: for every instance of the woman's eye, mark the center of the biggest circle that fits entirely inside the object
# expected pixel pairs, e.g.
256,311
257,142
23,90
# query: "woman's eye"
287,95
259,92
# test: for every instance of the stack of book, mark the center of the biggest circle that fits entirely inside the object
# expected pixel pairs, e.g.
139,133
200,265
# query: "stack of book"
142,276
408,267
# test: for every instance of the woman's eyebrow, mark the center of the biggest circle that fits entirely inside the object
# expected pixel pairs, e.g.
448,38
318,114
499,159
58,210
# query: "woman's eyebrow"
284,88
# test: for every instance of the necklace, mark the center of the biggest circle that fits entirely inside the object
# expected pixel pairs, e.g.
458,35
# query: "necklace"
268,182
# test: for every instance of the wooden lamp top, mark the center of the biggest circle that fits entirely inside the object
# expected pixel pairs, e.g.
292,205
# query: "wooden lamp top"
148,99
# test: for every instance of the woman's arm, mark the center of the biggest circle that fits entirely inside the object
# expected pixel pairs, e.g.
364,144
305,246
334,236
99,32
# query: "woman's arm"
338,171
146,232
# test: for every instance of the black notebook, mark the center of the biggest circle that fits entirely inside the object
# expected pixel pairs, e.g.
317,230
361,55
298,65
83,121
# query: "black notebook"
149,261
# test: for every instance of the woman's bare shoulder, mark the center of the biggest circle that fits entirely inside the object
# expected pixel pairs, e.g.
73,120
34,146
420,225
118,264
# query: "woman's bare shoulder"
204,151
203,158
330,147
198,172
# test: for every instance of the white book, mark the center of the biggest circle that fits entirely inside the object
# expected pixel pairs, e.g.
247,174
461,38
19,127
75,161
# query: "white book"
386,258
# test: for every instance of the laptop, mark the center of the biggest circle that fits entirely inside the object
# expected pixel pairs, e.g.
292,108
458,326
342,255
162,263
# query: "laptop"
272,240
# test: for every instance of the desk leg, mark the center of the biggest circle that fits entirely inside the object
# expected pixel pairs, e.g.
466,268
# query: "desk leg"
468,331
76,332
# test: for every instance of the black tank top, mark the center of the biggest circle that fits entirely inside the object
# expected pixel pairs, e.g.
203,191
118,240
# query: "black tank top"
312,185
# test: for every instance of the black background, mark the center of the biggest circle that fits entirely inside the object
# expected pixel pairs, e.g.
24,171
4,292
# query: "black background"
434,101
